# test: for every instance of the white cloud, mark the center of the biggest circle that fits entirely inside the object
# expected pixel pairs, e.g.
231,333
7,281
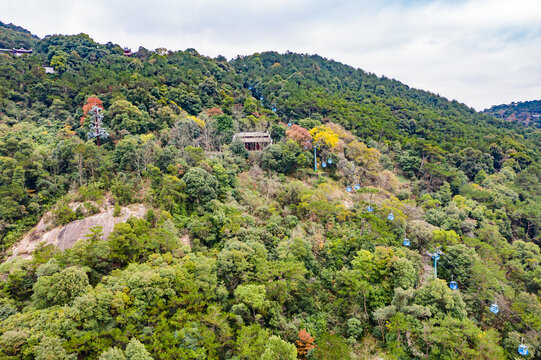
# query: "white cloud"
480,52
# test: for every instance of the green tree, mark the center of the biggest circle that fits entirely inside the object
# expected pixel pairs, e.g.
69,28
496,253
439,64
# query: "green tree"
251,341
201,187
60,61
123,115
330,347
278,349
460,339
113,353
441,300
137,351
253,296
50,348
60,288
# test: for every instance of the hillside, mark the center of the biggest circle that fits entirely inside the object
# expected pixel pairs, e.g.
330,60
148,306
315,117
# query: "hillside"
255,254
12,36
526,112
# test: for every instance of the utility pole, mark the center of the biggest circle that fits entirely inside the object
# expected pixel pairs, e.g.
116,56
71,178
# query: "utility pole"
315,158
96,125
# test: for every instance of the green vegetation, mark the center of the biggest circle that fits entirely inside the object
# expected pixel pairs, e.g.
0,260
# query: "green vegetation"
254,255
527,112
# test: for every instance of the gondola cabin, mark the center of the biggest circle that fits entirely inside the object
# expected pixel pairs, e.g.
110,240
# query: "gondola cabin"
406,242
523,350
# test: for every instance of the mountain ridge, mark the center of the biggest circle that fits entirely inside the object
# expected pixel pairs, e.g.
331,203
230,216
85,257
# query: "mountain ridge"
315,246
524,112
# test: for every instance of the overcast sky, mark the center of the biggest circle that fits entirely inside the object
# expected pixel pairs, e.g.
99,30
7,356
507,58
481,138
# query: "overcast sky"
480,52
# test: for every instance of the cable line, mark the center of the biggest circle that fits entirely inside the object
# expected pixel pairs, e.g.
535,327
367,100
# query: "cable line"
522,349
478,283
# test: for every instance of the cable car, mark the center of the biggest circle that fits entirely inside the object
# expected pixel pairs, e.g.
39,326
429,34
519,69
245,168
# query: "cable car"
324,164
329,161
370,209
289,123
261,98
494,308
523,349
390,216
357,187
453,285
406,242
249,88
348,188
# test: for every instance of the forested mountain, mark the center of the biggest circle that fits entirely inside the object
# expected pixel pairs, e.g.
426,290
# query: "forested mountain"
527,112
13,36
254,255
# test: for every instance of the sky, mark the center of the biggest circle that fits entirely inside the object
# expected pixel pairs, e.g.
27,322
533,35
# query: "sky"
479,52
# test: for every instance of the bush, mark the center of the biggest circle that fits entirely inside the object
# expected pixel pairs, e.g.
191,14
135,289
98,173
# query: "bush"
63,215
117,211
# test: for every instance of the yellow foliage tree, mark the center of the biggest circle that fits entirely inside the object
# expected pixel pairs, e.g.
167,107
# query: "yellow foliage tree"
146,137
324,136
197,120
342,133
363,155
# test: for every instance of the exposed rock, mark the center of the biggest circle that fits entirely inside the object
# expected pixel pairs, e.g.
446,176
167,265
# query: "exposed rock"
65,236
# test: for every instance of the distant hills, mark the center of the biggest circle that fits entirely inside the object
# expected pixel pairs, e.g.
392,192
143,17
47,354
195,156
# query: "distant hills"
13,36
526,112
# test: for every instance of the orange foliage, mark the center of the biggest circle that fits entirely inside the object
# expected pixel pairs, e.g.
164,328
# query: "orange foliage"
91,101
214,112
299,135
304,344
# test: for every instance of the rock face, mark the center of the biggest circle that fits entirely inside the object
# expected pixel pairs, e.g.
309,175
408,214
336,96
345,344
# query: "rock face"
65,236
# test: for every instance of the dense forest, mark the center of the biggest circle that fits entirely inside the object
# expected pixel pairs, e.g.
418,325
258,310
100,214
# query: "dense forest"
257,255
526,112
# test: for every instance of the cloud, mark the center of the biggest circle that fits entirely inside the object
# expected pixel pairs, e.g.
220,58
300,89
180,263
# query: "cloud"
481,52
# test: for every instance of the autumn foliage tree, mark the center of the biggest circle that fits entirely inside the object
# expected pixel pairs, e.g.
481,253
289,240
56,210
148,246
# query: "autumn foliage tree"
324,136
300,135
214,112
304,344
90,102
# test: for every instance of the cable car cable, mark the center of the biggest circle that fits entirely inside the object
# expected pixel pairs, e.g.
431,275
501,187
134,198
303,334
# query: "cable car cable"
478,283
465,288
522,349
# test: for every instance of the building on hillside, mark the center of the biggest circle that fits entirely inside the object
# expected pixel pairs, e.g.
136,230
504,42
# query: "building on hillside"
254,141
17,52
48,69
127,52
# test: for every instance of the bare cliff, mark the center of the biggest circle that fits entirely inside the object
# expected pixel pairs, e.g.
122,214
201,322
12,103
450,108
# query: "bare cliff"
65,236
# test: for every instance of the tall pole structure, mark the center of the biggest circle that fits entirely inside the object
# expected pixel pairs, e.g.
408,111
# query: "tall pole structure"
435,255
315,158
96,127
